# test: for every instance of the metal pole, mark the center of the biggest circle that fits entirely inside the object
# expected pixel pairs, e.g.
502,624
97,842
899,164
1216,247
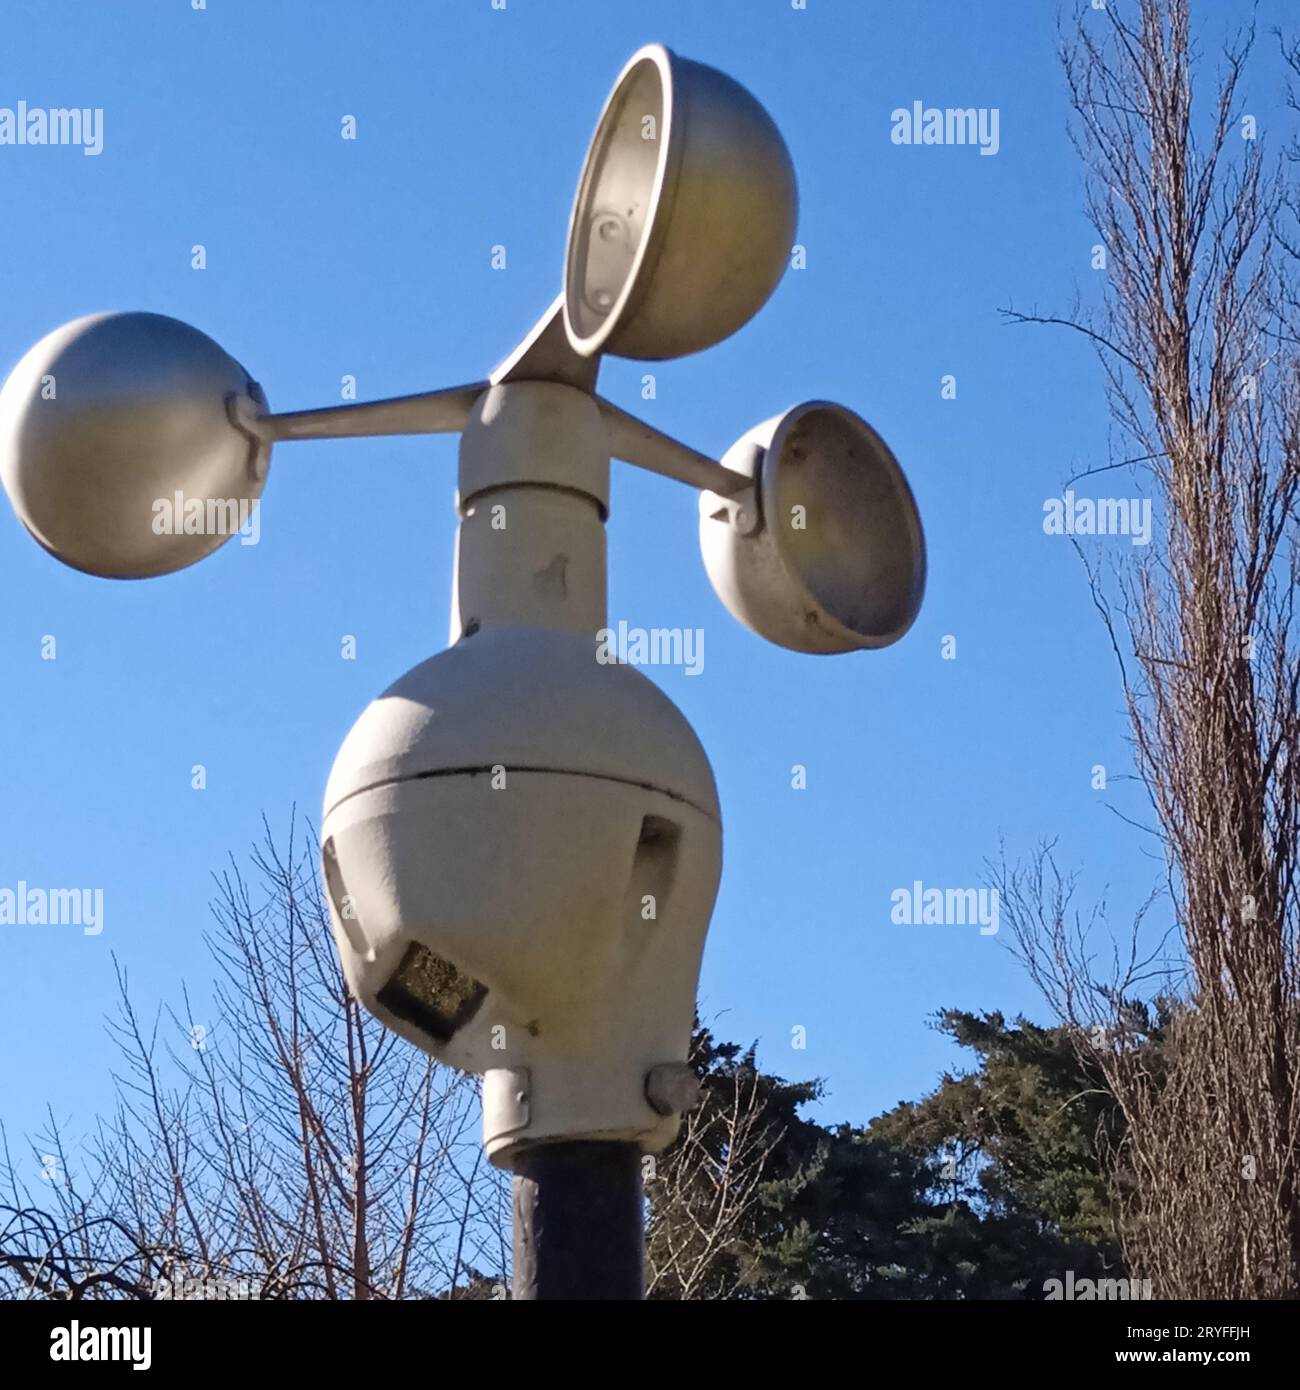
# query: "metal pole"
578,1222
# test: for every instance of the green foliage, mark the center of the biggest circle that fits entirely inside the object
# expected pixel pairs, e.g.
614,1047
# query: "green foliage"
1029,1127
988,1186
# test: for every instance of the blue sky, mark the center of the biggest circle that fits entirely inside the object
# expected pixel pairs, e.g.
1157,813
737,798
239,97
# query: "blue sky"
372,258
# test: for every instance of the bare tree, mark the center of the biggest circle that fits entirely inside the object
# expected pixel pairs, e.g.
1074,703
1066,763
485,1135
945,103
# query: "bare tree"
291,1148
288,1148
1198,343
705,1191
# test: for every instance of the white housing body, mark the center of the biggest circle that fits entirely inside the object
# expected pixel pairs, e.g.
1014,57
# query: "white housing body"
522,844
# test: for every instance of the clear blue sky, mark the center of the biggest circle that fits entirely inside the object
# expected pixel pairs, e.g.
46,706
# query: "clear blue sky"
372,258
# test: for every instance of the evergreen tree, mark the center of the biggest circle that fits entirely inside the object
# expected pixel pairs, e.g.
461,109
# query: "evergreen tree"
985,1188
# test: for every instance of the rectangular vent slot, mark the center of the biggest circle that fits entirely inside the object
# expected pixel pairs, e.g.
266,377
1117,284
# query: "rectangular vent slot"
431,994
653,869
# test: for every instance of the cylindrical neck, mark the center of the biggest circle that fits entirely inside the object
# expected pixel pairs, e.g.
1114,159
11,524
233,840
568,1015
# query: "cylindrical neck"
533,495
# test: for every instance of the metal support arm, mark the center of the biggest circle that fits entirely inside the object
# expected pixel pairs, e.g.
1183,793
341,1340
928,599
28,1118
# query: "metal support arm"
633,441
543,355
430,412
